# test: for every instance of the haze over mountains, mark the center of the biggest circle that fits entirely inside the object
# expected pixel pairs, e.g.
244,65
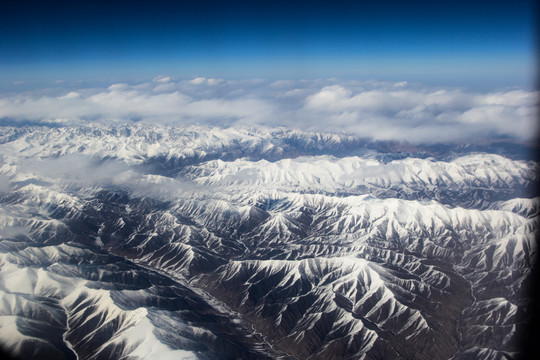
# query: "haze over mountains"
151,239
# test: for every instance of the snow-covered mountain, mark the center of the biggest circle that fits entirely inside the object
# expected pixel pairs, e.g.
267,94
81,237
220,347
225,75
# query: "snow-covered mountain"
142,241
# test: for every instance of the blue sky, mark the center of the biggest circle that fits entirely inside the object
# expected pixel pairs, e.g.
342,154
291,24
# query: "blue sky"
469,43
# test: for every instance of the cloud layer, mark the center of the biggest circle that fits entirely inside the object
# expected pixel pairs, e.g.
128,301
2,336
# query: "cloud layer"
382,111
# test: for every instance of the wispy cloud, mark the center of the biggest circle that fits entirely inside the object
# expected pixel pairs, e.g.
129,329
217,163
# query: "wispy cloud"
77,171
396,111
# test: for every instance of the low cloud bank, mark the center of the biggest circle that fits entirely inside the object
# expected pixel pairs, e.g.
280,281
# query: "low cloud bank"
382,111
76,171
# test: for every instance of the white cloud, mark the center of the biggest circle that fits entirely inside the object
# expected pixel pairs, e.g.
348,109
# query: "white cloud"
213,82
79,169
334,96
164,87
422,115
205,81
198,81
282,84
76,171
398,111
162,79
70,95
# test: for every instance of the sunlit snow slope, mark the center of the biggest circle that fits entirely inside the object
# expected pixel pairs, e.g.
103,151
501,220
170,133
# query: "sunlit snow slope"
153,242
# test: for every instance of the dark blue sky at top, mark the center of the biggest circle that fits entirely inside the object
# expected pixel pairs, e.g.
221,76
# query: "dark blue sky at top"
398,40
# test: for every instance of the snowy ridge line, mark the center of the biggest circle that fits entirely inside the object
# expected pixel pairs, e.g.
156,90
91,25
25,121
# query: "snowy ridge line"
136,143
27,287
479,170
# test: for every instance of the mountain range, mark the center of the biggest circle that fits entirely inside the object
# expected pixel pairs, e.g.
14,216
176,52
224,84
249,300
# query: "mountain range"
149,241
